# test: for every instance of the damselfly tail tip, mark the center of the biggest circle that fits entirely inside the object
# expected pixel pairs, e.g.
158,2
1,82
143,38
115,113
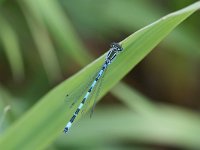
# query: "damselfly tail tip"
66,130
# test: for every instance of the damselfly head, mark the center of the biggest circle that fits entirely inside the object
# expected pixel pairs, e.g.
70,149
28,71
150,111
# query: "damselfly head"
116,46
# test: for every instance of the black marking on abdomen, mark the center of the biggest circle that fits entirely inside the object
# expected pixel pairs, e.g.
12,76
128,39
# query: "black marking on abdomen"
103,68
72,119
77,111
96,79
98,76
83,101
90,89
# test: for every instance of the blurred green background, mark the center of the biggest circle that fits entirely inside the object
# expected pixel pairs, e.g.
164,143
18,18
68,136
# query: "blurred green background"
44,42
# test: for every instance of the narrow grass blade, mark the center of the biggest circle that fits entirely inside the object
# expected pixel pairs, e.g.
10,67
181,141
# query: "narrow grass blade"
60,27
12,49
44,45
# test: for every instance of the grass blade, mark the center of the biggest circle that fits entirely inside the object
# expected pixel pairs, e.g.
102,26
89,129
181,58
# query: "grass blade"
12,49
45,121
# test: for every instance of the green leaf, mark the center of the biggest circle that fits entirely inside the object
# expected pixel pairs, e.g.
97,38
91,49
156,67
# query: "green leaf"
45,121
166,125
11,45
44,46
145,122
59,26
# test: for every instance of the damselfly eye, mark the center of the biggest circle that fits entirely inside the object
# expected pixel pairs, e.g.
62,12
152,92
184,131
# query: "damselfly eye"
116,46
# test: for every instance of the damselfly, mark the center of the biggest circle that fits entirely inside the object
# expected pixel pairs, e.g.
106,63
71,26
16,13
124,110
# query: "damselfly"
114,50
